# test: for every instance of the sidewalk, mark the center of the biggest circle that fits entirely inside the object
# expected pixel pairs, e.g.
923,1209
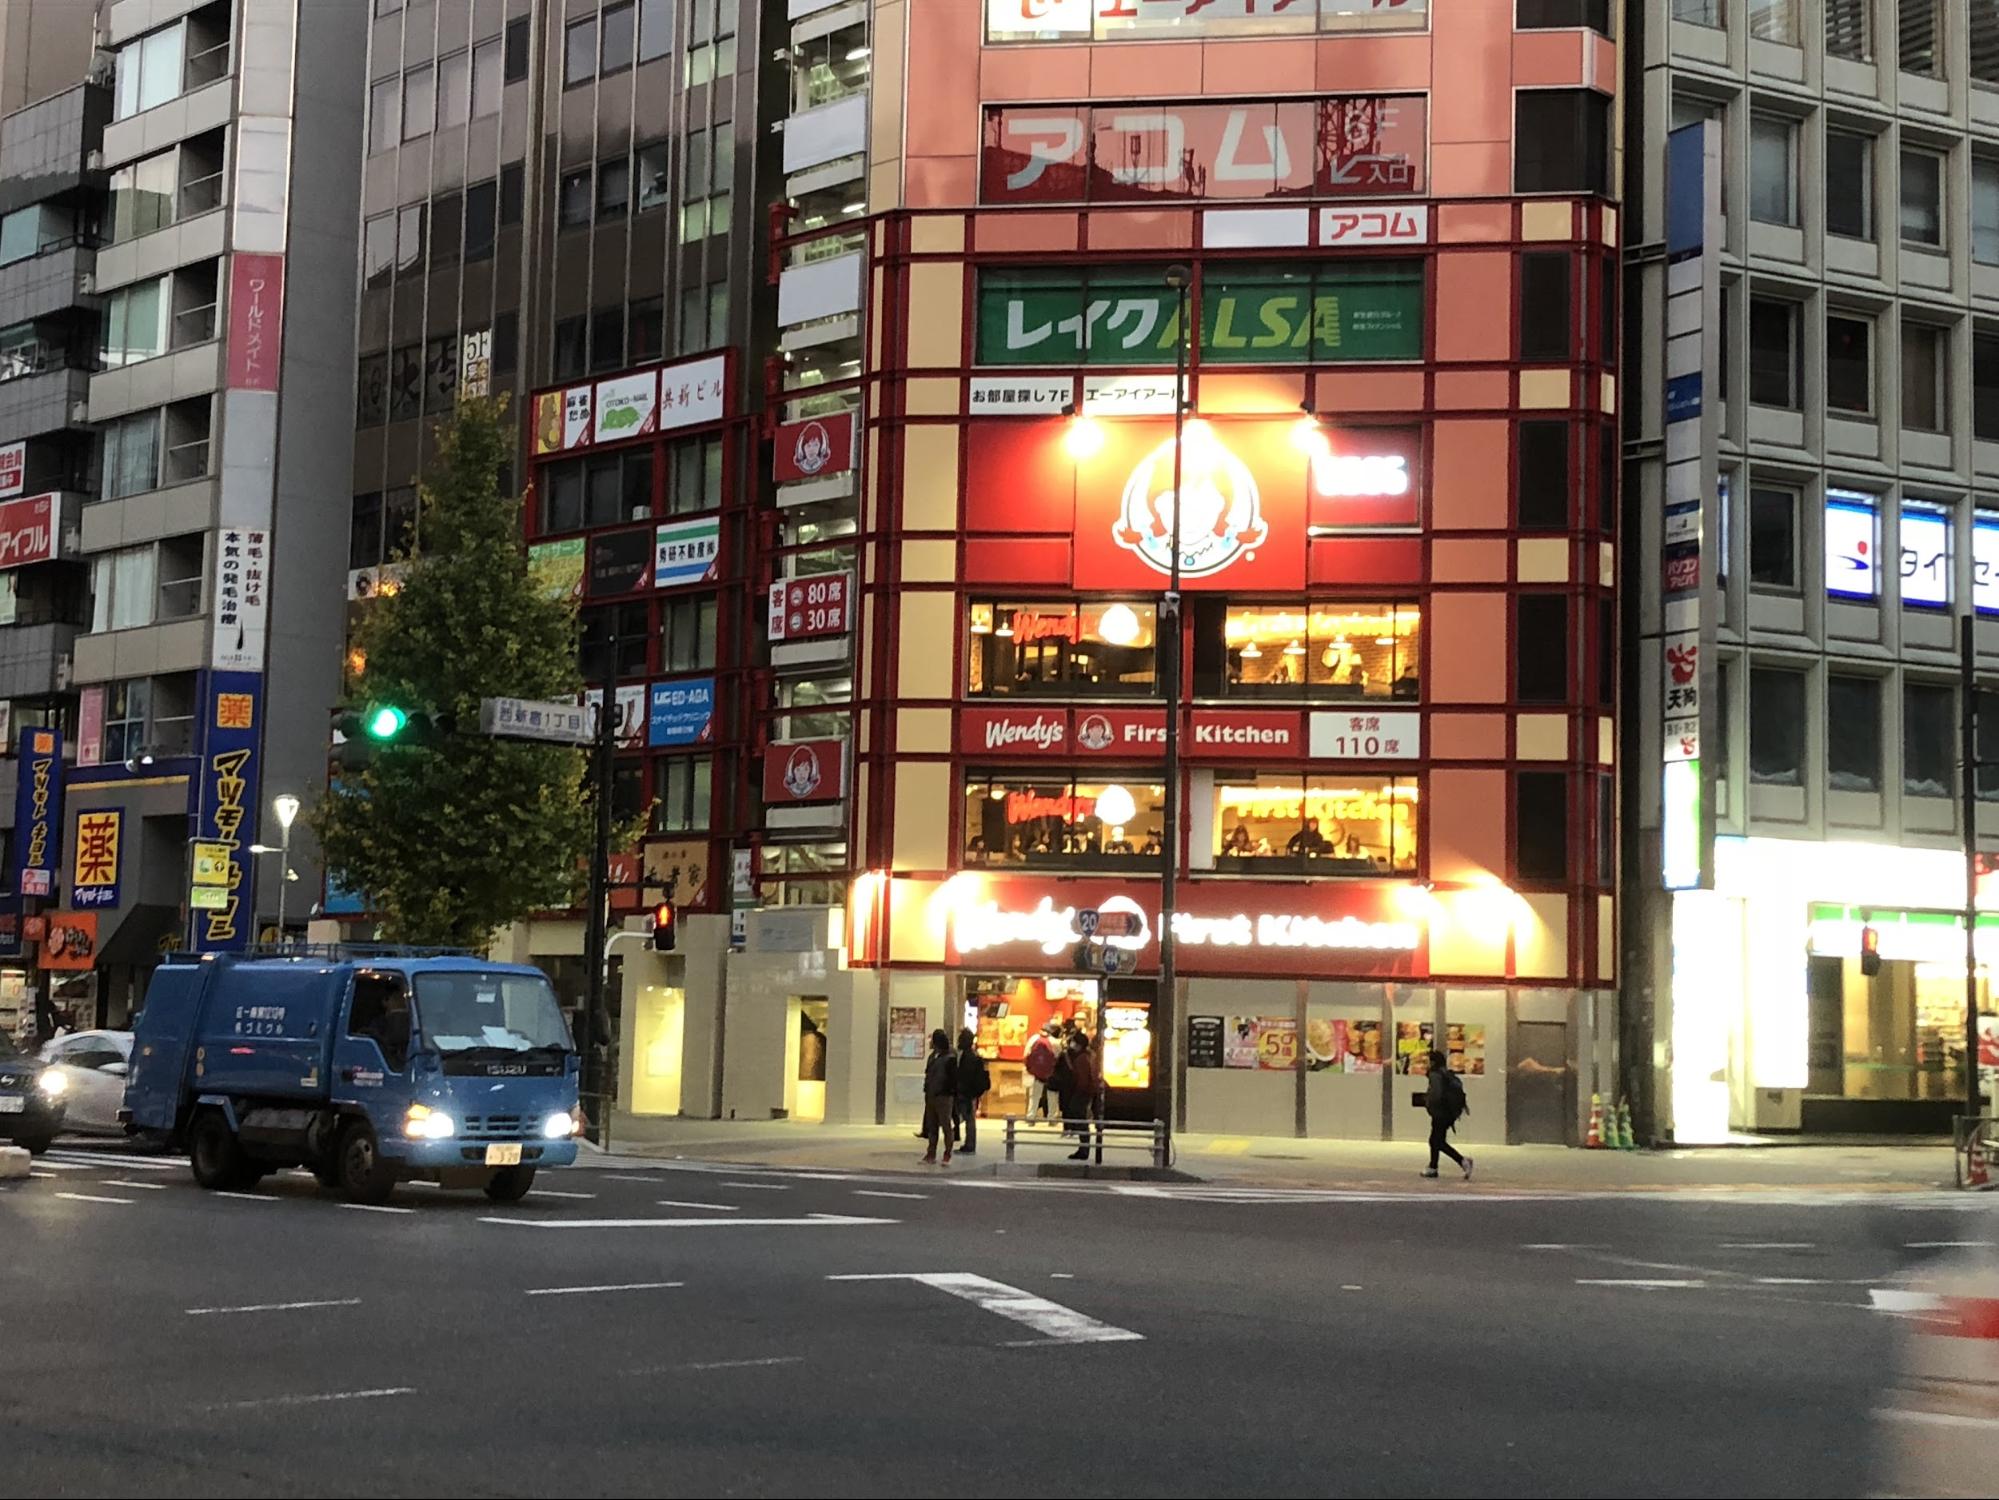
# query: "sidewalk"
1269,1161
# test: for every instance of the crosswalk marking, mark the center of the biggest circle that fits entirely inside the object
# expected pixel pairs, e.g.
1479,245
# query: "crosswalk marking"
94,1198
1055,1323
809,1221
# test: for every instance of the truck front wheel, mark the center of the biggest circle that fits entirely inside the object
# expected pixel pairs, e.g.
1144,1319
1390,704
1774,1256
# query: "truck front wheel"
510,1184
364,1177
213,1152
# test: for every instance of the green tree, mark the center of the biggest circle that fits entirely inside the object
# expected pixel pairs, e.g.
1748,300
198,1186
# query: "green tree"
451,837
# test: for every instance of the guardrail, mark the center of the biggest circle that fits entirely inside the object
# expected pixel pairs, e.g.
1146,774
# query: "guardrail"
1095,1136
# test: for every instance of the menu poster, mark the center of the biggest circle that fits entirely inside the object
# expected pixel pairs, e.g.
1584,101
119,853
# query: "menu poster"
1467,1048
1364,1049
1334,1044
1412,1047
1204,1041
1239,1042
1277,1043
905,1032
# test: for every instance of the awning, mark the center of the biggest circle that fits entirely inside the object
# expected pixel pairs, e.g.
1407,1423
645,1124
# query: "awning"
135,941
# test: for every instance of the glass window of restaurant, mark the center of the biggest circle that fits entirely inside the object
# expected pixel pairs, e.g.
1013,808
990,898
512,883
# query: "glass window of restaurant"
1054,650
1307,650
1052,822
1279,822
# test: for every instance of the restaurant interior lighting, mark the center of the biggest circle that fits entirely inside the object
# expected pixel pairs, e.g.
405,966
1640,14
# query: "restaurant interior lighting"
1118,625
1115,805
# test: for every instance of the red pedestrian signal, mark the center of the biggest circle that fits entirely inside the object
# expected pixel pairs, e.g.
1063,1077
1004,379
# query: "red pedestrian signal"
663,927
1870,951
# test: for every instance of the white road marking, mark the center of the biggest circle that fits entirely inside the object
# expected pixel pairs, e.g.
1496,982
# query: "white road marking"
118,1159
1061,1275
1639,1281
746,1364
1895,1299
1057,1324
1352,1287
1772,1245
251,1197
1948,1245
94,1198
388,1390
151,1187
813,1221
379,1208
727,1208
553,1193
761,1187
622,1286
1799,1281
33,1173
255,1307
52,1167
1935,1418
1564,1247
647,1179
877,1193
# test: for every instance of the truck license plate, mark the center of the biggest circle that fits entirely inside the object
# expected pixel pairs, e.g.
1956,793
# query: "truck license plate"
13,1104
503,1156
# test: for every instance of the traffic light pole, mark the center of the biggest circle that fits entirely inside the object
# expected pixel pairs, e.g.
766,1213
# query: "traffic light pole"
595,1047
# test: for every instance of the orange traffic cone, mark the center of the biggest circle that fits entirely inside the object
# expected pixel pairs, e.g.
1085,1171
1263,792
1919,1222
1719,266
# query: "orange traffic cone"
1594,1142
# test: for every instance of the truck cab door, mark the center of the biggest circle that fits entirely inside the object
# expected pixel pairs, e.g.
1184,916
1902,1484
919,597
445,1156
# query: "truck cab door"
371,1056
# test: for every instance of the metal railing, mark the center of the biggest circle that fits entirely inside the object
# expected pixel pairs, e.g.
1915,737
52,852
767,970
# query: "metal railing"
1095,1136
198,195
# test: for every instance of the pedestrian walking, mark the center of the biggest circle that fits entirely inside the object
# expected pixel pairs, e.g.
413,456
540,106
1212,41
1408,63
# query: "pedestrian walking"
1079,1097
940,1095
973,1082
1444,1098
1043,1051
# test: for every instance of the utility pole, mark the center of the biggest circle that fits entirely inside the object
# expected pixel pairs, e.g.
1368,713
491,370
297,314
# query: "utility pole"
1179,277
1968,757
595,1048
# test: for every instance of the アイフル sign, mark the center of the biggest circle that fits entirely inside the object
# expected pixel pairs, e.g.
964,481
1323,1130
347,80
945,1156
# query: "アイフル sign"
28,531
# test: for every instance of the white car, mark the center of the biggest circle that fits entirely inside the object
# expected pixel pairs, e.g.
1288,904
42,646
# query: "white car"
93,1065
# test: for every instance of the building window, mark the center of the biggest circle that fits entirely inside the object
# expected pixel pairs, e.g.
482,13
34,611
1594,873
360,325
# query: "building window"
1929,739
1847,32
614,188
447,212
440,368
1324,824
516,47
1985,210
1987,704
579,52
696,476
1773,537
1535,15
607,338
597,491
1701,12
625,624
708,174
1060,649
405,382
1849,184
1917,50
1928,558
1853,733
1546,325
620,38
378,250
409,239
1925,392
1849,364
711,47
385,115
1985,385
574,199
1776,726
480,199
1984,53
150,71
681,792
571,356
1320,650
506,341
124,585
142,196
364,531
1774,20
1922,197
371,391
1852,544
486,78
511,189
127,706
718,314
1054,823
1561,141
131,462
653,182
645,330
1541,826
454,89
1541,648
135,323
687,634
1544,477
1773,156
419,102
1775,366
655,28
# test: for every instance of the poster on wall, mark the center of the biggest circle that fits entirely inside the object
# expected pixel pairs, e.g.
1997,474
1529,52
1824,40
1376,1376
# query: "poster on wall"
556,568
1204,1041
1412,1047
1276,1043
905,1032
1334,1044
678,872
627,407
1239,1042
1466,1046
630,730
562,419
242,600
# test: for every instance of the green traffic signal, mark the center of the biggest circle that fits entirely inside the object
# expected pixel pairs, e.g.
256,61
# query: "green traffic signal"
384,722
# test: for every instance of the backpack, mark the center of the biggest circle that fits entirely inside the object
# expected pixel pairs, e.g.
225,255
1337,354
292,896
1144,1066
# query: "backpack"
1454,1089
1040,1059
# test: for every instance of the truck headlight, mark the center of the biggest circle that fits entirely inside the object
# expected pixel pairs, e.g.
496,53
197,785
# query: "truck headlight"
52,1083
422,1123
558,1126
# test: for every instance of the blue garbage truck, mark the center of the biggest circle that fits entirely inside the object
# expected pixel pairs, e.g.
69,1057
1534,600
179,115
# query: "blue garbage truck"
371,1068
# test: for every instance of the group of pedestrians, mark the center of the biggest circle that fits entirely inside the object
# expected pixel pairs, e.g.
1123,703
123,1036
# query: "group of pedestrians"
1059,1062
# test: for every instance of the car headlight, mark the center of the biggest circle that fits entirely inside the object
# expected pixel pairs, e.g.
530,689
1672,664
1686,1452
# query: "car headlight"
558,1126
52,1083
422,1123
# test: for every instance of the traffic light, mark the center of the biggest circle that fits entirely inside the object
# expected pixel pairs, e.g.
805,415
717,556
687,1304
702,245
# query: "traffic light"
663,925
383,722
1870,951
360,733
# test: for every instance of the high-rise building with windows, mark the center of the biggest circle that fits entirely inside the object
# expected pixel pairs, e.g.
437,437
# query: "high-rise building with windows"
1793,775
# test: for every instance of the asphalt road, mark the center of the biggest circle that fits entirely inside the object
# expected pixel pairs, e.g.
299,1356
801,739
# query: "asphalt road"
689,1331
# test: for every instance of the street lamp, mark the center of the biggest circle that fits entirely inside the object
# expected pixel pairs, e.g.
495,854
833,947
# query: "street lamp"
286,806
1178,277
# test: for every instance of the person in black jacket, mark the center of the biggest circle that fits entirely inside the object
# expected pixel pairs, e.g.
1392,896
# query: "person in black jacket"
973,1081
940,1095
1444,1098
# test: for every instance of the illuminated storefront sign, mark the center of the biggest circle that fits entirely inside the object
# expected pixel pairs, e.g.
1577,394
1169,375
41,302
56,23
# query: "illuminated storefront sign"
1370,145
664,398
1852,545
38,812
1985,562
796,771
228,796
1926,554
1211,734
816,448
1220,927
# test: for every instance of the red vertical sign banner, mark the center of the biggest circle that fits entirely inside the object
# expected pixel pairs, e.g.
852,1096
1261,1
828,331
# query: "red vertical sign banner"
256,320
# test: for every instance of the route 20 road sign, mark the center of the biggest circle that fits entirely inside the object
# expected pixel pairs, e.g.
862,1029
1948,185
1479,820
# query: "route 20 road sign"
1107,924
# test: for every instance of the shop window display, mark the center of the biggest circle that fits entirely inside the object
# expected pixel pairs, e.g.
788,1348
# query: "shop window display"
1323,651
1275,822
1006,1013
1061,649
1051,822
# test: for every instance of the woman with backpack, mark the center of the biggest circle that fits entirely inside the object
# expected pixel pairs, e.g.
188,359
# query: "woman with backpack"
1444,1098
940,1095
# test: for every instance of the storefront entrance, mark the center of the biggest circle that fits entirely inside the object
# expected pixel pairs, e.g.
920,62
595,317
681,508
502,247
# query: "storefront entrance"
1887,1051
1005,1012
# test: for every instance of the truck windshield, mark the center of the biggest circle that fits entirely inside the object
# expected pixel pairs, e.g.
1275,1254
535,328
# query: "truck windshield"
489,1013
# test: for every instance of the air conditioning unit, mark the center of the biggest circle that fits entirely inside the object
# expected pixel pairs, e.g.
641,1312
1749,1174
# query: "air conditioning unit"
93,160
65,671
79,413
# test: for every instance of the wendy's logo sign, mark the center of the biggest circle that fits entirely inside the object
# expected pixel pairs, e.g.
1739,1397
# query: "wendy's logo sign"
801,772
814,449
1221,517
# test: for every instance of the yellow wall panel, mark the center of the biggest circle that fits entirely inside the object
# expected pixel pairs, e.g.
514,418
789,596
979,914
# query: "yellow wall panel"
922,815
930,478
936,234
936,316
934,397
1541,737
1544,390
933,560
922,670
923,731
1540,220
1542,560
1541,938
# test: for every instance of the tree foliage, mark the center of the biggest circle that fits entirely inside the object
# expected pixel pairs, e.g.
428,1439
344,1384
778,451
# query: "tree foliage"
449,840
